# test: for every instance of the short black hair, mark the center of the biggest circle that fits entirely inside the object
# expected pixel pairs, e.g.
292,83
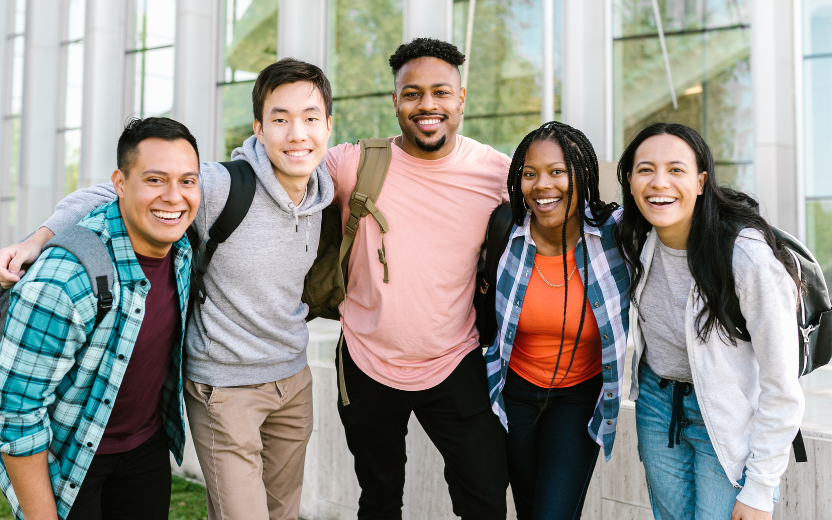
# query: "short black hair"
288,70
137,130
425,48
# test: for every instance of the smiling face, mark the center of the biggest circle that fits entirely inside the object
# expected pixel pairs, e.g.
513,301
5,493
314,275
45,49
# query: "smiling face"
159,195
295,130
545,187
665,183
429,102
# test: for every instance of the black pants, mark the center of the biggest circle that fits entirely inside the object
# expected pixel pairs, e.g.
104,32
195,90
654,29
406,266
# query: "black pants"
456,415
134,485
551,455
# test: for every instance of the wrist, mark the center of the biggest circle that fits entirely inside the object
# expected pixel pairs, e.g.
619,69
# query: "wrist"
40,237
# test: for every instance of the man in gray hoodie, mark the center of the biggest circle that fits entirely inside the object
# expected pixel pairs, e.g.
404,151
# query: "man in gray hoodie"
248,389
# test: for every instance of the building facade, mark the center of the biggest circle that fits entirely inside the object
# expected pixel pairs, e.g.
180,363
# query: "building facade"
754,77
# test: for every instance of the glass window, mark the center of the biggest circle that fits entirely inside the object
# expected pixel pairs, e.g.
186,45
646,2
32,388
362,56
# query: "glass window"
154,30
250,46
363,35
69,130
505,84
14,33
708,47
817,80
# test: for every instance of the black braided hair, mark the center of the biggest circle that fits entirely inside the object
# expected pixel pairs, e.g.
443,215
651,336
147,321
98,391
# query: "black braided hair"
582,163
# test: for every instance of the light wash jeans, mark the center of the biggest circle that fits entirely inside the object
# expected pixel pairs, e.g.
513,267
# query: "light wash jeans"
685,482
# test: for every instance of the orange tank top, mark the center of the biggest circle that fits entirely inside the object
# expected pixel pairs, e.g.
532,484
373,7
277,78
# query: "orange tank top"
537,341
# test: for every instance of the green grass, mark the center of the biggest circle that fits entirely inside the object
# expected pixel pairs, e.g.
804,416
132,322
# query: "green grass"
187,502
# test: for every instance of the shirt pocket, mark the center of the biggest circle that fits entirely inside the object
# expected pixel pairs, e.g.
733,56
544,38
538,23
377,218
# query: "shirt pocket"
730,417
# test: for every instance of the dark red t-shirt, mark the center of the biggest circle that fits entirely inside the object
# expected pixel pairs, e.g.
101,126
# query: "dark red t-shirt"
137,412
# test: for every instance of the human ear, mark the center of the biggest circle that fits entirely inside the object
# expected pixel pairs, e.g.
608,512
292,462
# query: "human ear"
118,178
702,178
258,131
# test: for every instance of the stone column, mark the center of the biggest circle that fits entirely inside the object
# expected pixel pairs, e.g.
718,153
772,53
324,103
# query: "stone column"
6,30
39,114
195,72
428,19
773,78
103,114
587,72
302,30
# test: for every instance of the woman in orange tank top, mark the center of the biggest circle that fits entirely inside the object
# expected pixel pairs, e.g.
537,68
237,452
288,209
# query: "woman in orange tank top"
559,277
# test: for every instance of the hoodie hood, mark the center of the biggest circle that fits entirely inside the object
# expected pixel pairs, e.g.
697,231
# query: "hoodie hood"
319,189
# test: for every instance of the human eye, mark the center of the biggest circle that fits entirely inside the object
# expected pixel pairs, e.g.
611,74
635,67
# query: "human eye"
529,174
410,95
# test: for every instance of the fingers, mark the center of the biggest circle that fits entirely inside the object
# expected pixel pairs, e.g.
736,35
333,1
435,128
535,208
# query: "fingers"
11,263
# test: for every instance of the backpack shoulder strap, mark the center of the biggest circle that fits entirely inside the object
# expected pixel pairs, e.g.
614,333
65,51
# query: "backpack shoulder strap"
240,195
499,229
372,170
88,248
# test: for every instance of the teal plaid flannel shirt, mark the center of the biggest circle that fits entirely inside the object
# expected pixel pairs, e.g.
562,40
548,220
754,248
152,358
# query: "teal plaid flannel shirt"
58,377
609,295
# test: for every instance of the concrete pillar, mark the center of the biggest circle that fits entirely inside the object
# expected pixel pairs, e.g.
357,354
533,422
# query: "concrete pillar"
103,116
302,30
547,105
195,72
587,71
773,78
39,114
428,19
6,29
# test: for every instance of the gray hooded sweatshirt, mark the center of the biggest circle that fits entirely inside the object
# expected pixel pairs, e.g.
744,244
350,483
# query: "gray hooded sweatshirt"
251,328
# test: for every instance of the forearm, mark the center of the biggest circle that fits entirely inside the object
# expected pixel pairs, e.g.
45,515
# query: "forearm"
40,237
77,204
30,479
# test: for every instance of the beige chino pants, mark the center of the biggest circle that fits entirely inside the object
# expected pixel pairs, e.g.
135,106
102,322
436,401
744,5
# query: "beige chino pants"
251,445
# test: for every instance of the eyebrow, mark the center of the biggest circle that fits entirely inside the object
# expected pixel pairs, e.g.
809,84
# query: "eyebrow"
419,87
547,166
278,110
161,172
651,163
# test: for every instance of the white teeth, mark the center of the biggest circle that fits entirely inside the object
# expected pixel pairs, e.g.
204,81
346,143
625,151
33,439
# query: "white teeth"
546,201
660,200
429,122
298,153
168,215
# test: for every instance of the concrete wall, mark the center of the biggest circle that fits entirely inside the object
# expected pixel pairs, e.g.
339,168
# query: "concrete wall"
617,490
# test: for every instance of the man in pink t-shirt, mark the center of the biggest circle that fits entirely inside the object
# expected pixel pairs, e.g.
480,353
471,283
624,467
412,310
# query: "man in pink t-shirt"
411,344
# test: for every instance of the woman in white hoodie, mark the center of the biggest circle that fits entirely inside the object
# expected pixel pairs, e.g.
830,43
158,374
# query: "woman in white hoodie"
715,415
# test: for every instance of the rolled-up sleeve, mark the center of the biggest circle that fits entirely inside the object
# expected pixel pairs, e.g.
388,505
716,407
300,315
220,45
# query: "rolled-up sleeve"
42,335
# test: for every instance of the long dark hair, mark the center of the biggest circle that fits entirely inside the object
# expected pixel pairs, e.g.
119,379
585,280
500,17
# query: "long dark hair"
582,164
718,215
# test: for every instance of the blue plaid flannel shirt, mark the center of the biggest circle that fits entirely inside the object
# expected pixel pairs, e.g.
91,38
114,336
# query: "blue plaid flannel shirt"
56,371
608,294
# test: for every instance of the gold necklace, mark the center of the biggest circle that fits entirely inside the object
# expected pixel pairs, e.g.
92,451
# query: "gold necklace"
550,284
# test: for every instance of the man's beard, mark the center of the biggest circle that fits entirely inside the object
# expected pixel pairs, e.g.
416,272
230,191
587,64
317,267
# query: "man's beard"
430,147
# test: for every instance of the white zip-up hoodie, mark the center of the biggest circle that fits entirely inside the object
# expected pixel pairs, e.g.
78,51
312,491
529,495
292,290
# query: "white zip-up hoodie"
749,394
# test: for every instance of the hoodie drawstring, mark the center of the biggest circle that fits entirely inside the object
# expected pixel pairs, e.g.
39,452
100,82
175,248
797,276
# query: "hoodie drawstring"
307,233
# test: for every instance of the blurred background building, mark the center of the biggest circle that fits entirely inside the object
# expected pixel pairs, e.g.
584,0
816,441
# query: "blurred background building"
754,77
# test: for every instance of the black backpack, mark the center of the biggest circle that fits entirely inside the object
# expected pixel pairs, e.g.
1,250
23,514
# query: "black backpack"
500,225
814,316
91,252
324,286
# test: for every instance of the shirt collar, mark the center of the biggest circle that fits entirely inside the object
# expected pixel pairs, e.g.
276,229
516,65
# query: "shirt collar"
525,229
129,270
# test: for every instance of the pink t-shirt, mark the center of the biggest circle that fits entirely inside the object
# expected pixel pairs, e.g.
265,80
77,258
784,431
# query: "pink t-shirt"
412,332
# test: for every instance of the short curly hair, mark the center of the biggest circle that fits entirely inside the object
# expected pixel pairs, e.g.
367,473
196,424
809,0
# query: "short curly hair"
425,47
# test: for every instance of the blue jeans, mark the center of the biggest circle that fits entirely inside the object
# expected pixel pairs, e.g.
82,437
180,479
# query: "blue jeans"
685,482
551,456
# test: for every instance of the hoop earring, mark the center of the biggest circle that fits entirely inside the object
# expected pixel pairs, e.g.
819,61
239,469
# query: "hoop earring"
526,205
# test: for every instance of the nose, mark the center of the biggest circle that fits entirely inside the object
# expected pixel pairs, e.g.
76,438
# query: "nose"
660,179
428,102
297,132
172,193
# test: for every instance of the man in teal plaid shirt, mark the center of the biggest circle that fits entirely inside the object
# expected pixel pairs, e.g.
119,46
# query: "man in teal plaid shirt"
88,413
